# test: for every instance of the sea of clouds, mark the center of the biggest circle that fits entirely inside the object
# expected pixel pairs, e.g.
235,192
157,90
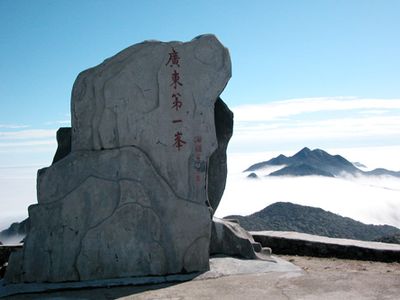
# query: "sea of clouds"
371,200
17,192
360,129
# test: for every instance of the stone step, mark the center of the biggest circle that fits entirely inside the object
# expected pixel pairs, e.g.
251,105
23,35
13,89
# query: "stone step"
257,247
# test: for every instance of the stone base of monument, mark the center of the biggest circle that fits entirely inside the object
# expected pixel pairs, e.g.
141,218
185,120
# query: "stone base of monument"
229,238
219,267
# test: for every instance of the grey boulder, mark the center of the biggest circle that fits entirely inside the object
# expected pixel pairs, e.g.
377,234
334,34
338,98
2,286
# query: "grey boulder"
229,238
129,198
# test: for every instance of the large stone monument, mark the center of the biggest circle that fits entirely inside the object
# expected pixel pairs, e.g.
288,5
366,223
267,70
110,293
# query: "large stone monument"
130,196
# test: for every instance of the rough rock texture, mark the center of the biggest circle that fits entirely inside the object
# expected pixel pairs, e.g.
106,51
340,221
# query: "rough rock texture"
130,199
142,97
217,166
228,238
217,169
63,143
5,252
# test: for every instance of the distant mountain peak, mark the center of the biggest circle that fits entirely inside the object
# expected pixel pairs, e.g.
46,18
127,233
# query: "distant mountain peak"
252,176
300,170
305,150
308,162
315,162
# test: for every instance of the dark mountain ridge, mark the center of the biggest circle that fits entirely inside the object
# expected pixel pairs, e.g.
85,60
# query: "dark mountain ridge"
300,170
316,162
17,229
286,216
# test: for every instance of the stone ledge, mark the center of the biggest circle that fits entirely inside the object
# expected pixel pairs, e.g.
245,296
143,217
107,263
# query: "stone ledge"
294,243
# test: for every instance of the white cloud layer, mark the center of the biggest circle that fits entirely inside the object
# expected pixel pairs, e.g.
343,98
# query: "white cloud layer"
316,122
27,134
373,200
288,108
26,141
17,192
59,122
13,126
348,126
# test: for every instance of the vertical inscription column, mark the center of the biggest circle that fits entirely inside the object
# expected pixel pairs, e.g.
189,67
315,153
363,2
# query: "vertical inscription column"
176,98
199,164
181,139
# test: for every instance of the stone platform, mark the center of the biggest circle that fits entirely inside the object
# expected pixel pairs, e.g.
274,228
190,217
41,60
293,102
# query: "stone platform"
321,278
219,267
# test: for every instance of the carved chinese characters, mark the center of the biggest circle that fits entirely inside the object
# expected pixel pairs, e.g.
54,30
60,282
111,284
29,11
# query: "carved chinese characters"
177,103
199,164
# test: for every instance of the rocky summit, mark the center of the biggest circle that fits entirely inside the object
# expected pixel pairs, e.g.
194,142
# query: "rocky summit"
318,162
126,194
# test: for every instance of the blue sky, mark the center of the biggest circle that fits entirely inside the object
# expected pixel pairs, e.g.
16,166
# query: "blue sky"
280,49
305,73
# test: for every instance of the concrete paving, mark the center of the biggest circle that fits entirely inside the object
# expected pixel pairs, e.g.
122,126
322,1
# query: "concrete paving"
320,278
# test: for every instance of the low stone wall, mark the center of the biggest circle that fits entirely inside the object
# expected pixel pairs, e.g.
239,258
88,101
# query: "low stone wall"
294,243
